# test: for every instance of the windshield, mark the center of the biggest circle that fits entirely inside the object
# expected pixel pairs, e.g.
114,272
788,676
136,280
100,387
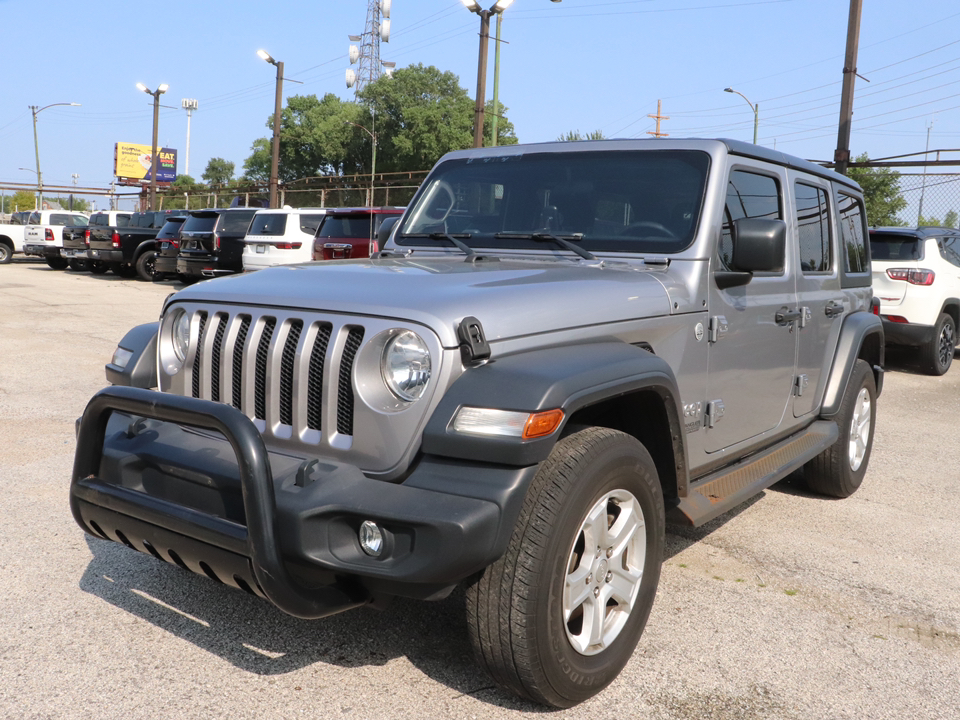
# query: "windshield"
615,201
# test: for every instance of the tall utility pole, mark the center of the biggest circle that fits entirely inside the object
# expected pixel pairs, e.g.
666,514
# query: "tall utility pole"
485,15
36,146
155,165
189,106
277,110
923,187
841,156
658,117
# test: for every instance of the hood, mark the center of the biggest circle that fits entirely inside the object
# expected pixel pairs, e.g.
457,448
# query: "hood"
510,297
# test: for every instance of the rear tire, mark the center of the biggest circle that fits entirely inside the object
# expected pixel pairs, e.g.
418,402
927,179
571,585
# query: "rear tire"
146,265
79,265
558,616
98,267
6,253
57,263
938,353
839,470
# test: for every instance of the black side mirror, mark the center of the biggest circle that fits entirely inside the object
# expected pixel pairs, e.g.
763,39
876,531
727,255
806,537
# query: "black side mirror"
386,227
759,245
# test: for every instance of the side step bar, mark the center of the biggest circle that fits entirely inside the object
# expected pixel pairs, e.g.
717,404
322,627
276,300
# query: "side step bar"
725,489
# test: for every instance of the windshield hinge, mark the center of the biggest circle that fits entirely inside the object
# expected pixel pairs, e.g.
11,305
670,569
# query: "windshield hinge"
474,349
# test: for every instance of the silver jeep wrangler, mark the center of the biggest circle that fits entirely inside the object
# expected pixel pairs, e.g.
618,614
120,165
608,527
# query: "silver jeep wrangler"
561,348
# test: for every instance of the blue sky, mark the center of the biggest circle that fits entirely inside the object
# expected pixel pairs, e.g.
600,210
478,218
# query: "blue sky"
577,64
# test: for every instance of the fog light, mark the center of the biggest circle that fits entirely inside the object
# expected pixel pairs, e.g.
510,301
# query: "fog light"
371,538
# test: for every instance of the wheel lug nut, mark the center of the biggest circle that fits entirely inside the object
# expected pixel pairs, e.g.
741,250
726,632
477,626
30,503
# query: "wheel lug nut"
610,552
609,576
596,592
589,578
598,552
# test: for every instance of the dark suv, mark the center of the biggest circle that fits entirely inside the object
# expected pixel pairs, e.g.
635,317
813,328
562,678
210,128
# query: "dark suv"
350,232
211,242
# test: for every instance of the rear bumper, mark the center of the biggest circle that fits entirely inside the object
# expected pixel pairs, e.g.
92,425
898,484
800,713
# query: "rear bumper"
73,253
910,334
44,251
200,266
216,502
105,255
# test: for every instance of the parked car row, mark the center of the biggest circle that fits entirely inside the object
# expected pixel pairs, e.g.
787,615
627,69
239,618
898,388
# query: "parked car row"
199,244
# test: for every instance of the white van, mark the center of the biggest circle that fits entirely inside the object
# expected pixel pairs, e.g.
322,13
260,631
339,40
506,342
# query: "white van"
282,236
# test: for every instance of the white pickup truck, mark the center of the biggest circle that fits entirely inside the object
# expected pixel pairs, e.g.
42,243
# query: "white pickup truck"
43,237
11,236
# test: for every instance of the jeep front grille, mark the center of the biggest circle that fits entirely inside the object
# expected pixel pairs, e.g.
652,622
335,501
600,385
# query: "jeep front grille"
274,368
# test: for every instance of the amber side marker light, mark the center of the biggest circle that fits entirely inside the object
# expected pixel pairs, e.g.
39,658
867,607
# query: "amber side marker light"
542,424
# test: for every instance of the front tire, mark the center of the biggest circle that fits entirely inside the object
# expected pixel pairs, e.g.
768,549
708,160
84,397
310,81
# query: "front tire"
839,470
57,263
559,615
938,353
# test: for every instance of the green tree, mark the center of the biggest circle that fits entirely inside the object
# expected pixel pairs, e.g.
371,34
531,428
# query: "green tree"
181,190
929,221
20,200
218,172
506,134
950,220
881,192
315,139
575,136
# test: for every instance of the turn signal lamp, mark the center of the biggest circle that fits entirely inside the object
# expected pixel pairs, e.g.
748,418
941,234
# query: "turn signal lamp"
506,423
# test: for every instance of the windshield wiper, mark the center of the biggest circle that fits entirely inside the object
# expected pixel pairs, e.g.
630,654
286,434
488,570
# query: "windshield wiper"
561,240
455,239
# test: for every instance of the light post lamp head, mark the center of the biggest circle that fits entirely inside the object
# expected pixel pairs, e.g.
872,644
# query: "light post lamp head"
471,5
264,55
163,88
501,5
143,88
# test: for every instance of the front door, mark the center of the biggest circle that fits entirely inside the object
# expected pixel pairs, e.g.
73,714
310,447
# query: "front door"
752,356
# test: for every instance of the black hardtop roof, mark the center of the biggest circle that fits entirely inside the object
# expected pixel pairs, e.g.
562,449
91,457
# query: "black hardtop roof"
733,147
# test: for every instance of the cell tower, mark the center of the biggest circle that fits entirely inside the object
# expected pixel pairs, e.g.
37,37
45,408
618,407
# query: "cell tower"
366,55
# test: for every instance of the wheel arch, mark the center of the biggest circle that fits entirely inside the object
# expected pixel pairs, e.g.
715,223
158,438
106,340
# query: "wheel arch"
607,383
951,306
861,338
143,247
140,369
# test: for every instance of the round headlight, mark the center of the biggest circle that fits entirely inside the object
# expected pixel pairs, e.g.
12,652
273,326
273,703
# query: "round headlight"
181,334
405,366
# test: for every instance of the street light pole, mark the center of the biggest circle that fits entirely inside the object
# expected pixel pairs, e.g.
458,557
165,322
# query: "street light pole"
755,108
277,109
373,160
154,166
478,112
496,84
36,146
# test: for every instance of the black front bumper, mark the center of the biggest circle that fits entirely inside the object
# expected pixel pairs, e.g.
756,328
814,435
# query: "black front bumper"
216,502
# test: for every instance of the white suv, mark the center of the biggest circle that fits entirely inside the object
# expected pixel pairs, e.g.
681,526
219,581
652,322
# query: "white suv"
282,236
916,276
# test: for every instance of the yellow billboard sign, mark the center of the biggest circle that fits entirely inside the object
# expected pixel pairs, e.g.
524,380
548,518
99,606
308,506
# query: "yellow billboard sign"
134,162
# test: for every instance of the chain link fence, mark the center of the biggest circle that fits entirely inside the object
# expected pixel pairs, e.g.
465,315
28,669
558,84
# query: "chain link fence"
352,191
933,198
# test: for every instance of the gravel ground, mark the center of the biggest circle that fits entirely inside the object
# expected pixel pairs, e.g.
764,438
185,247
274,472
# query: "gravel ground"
791,606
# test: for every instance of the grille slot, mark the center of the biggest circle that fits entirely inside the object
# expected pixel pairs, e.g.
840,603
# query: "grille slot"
286,371
238,349
315,382
260,377
199,356
215,359
345,393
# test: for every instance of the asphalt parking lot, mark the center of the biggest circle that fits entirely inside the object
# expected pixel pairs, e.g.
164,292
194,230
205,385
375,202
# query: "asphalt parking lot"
790,607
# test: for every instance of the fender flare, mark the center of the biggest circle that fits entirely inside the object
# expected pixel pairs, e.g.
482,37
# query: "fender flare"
566,377
141,369
143,247
857,328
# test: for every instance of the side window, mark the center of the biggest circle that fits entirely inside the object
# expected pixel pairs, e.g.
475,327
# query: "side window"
853,238
749,195
950,250
813,228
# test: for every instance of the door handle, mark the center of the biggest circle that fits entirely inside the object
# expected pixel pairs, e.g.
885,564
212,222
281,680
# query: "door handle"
785,316
833,309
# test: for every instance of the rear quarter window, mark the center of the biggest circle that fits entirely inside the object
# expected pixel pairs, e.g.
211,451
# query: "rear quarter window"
853,237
